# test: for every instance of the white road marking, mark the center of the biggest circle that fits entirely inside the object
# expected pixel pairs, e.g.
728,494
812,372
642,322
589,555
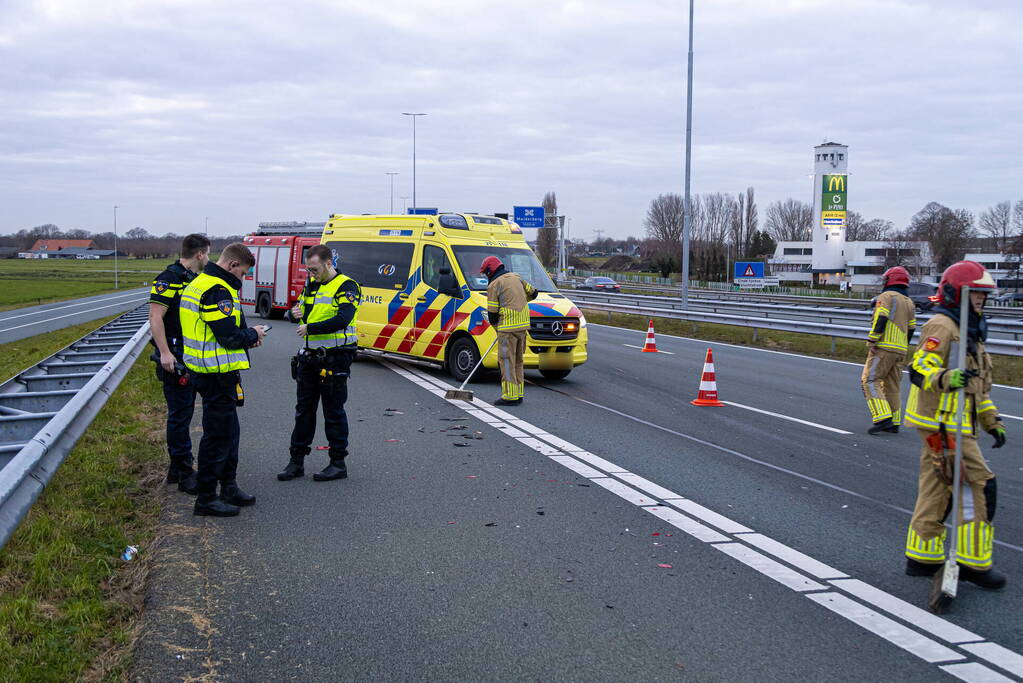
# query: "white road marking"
786,417
709,516
907,612
769,568
973,672
59,317
880,625
997,655
4,318
792,556
633,346
690,526
650,487
886,628
1011,417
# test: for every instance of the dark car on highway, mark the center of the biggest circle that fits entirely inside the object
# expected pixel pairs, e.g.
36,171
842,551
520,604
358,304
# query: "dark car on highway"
600,284
1010,299
923,294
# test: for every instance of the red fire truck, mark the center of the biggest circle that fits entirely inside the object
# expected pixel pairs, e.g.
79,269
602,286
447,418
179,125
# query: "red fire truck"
277,279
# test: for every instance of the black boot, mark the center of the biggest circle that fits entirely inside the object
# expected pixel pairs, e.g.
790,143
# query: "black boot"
335,470
189,484
507,402
884,425
991,580
231,494
176,472
294,469
210,505
914,568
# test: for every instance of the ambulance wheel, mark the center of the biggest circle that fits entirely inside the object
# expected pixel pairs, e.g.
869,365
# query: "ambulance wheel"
462,358
555,374
263,306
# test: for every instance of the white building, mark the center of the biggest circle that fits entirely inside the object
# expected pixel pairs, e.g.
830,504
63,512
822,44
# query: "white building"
830,187
860,264
1005,269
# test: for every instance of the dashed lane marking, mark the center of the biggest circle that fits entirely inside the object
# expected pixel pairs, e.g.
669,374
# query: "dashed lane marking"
786,417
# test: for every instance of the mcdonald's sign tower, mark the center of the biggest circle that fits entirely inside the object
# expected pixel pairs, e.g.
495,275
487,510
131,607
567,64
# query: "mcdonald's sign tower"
830,188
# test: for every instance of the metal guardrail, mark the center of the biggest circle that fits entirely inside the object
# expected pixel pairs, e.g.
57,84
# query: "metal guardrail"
1004,347
45,410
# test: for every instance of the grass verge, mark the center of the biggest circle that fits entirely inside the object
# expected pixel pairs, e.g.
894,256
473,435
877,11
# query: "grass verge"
69,606
1008,369
28,282
20,355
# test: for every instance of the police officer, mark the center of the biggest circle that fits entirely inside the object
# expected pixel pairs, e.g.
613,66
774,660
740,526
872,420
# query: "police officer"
508,297
888,341
165,325
326,315
216,340
932,409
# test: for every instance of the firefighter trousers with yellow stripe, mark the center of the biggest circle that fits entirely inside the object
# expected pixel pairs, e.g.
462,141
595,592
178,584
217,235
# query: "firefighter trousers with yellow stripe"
925,541
881,376
511,346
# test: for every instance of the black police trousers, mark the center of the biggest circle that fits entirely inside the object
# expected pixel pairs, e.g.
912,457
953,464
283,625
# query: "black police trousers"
217,459
180,406
330,390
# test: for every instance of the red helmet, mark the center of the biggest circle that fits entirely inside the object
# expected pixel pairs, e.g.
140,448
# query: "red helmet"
490,265
895,276
963,273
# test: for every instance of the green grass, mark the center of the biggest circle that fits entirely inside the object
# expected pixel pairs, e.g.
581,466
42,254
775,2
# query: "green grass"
69,607
1008,369
26,282
22,354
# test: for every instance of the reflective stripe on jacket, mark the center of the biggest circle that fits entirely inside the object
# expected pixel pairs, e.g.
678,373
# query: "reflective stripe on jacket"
899,313
324,305
509,295
202,352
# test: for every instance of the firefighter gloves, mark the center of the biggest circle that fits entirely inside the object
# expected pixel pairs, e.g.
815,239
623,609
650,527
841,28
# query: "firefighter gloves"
999,434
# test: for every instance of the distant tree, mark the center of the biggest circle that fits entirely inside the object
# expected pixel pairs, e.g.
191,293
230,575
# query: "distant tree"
1017,217
902,250
547,236
946,231
996,222
790,220
743,221
77,234
762,246
663,221
859,230
137,233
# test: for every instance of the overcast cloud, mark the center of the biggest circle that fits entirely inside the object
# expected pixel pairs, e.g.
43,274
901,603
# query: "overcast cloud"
248,111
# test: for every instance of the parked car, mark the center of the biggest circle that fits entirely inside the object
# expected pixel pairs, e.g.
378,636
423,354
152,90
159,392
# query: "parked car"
1010,299
923,294
600,284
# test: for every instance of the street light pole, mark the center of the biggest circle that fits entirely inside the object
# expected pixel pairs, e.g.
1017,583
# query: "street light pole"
404,204
115,247
206,225
405,113
392,174
687,216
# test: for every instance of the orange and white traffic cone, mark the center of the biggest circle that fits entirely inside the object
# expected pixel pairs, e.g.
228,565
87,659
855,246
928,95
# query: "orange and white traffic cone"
651,344
708,394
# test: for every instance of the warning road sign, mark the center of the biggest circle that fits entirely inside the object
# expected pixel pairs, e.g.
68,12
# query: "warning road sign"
749,270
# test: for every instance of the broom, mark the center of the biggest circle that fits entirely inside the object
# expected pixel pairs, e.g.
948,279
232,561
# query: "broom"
945,583
461,394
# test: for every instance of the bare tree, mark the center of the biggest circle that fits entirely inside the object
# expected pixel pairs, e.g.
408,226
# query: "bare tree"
902,250
996,223
750,220
789,221
946,230
1017,217
547,236
664,219
859,230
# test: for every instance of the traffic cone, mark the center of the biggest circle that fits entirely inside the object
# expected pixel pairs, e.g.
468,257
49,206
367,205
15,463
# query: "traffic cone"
708,394
651,344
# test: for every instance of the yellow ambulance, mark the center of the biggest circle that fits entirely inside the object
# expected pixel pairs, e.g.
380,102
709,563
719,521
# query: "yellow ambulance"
423,296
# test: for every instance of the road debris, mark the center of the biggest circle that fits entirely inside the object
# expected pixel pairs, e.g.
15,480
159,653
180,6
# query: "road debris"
129,553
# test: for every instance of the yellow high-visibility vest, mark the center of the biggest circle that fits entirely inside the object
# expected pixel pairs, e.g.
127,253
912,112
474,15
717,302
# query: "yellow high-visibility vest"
324,307
202,352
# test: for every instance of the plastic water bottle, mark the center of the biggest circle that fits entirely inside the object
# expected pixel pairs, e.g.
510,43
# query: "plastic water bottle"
129,553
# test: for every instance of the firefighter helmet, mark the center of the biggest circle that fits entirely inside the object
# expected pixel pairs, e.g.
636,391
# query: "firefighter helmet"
964,273
895,276
490,265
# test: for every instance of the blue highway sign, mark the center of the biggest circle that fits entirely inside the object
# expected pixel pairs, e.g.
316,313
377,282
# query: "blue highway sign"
528,216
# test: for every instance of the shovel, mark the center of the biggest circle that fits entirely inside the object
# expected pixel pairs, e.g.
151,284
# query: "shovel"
461,394
945,583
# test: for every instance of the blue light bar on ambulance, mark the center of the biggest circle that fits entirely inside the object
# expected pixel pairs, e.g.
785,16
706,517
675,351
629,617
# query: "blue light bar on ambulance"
454,221
487,220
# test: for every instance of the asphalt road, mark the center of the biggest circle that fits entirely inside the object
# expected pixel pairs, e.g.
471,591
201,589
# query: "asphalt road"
604,530
19,323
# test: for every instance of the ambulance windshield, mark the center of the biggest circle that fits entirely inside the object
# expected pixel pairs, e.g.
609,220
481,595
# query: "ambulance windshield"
520,261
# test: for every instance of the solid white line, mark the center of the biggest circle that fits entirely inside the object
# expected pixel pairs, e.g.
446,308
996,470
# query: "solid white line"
66,315
974,672
599,462
920,618
650,487
633,346
621,490
508,429
786,417
538,446
1011,417
576,466
892,631
997,655
769,568
709,516
792,556
81,303
690,526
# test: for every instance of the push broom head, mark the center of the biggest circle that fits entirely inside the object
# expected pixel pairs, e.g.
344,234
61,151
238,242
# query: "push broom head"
458,395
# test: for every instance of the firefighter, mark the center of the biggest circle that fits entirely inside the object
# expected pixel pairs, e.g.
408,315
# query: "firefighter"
508,297
888,342
216,343
165,324
931,408
326,313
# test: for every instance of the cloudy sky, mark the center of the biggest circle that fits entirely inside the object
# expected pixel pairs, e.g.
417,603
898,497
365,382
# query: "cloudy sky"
246,111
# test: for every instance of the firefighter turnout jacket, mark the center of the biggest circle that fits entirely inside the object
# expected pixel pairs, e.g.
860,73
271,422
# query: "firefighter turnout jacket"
508,297
329,311
213,326
894,321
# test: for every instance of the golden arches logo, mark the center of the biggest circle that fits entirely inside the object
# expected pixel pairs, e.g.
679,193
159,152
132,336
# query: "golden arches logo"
836,183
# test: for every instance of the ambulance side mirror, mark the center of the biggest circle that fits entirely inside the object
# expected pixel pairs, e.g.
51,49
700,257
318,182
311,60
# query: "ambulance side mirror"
448,284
